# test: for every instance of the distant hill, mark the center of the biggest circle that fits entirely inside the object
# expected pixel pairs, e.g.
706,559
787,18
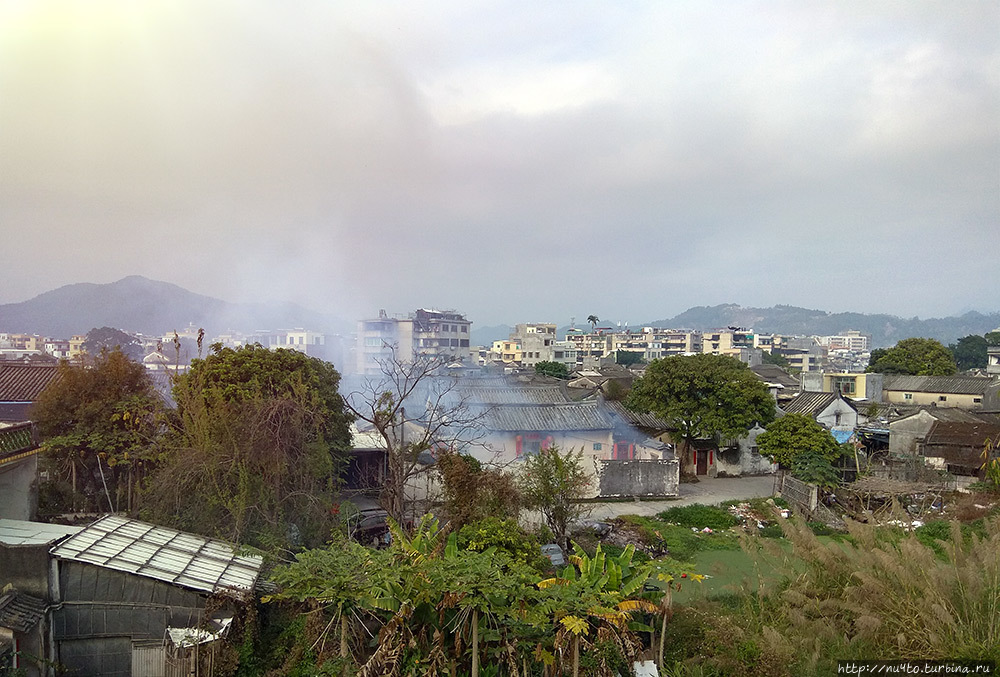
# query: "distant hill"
138,304
885,330
485,336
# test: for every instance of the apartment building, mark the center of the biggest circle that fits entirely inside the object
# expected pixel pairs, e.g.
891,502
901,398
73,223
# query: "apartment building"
424,332
652,343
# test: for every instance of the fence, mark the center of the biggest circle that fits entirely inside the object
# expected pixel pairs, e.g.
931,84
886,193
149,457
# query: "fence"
801,493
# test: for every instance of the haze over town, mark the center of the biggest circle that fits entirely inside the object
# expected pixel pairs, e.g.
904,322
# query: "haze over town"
514,161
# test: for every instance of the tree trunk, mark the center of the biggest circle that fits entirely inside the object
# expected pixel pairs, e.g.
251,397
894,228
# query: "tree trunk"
344,653
668,603
475,643
576,656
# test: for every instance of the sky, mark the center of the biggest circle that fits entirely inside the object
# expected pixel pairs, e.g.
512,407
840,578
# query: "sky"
516,161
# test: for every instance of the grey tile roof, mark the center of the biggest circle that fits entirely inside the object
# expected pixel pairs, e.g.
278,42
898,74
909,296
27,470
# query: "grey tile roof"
809,403
772,373
513,394
547,417
957,385
20,612
21,382
635,418
168,555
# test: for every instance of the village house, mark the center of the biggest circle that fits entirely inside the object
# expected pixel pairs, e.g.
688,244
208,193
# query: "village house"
964,392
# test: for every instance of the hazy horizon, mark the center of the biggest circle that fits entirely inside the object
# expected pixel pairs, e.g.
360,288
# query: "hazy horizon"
513,161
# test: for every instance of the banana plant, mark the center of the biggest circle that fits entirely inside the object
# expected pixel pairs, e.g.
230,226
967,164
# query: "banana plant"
597,596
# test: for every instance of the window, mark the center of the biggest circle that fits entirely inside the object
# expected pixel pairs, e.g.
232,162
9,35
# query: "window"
597,446
977,400
465,329
942,398
907,396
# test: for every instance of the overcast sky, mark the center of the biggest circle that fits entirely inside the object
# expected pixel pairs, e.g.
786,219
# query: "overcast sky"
517,161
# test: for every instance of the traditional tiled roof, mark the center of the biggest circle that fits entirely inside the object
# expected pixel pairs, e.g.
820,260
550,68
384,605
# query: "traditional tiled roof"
953,433
772,373
809,403
547,417
641,420
474,394
955,385
954,415
21,382
20,612
176,557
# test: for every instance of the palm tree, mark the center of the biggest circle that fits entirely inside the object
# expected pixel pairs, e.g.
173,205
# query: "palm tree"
593,319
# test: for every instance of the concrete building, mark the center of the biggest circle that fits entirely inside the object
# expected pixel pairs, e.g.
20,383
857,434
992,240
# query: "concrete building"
966,392
993,360
864,386
428,333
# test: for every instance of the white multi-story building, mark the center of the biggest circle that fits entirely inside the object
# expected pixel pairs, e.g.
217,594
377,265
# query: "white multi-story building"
430,333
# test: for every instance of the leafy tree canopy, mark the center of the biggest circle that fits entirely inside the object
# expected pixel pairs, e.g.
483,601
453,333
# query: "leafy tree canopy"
109,338
255,451
970,352
795,434
473,493
97,418
553,482
916,356
549,368
703,396
627,357
768,357
992,338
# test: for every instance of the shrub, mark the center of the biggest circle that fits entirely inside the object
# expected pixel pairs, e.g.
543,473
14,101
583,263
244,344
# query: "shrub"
699,516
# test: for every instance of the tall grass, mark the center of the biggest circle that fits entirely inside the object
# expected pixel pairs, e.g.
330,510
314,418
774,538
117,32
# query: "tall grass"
878,596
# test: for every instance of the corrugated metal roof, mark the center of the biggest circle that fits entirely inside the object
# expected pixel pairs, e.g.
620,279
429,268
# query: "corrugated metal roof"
20,532
547,417
21,382
956,385
164,554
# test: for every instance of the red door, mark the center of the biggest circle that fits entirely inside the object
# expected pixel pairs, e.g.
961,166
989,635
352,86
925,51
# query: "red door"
701,464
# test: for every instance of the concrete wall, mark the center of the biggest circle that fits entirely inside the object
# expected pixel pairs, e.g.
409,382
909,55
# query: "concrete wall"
637,478
19,489
906,434
828,418
26,568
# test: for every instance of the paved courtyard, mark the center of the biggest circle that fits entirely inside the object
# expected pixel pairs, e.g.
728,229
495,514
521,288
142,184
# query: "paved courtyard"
709,491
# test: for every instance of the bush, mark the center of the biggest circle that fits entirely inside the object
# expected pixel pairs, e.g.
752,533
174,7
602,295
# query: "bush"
699,516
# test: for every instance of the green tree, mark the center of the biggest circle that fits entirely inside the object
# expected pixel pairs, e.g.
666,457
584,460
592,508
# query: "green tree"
109,338
472,493
627,357
593,320
916,356
553,482
992,338
549,368
774,358
969,352
703,396
255,449
794,434
99,421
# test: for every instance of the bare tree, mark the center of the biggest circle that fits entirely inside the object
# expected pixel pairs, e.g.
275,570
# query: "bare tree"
415,407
